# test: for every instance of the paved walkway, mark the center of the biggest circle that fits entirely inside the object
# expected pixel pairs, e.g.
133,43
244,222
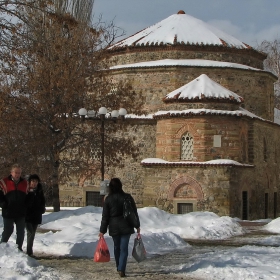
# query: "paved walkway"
86,269
153,268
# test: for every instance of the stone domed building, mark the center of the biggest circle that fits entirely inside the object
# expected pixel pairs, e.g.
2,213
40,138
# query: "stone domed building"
209,142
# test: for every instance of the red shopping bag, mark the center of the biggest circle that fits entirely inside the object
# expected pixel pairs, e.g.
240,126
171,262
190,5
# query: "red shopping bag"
102,253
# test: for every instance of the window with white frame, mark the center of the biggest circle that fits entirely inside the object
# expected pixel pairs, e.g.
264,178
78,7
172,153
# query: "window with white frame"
187,146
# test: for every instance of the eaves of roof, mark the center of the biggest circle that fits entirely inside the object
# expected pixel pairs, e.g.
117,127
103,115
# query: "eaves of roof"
203,113
194,164
190,66
202,100
186,47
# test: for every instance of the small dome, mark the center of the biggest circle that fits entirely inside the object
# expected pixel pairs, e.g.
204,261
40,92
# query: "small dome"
202,88
181,12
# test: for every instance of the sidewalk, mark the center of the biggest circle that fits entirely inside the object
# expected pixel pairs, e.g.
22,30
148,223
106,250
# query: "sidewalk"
154,268
86,269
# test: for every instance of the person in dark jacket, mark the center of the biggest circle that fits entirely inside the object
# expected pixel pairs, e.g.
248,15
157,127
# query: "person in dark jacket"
35,211
119,228
14,201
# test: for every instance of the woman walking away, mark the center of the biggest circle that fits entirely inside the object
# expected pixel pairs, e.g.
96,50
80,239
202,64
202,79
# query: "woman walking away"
35,211
119,228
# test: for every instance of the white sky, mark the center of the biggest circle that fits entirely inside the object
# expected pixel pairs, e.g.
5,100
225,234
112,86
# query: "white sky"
250,21
161,232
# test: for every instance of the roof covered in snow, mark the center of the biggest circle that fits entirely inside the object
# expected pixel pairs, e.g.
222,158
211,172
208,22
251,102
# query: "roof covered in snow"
202,88
181,28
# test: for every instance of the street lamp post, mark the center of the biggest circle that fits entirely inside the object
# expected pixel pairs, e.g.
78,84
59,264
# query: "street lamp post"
101,116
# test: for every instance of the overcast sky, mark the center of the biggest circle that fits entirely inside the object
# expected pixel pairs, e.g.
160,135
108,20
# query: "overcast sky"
250,21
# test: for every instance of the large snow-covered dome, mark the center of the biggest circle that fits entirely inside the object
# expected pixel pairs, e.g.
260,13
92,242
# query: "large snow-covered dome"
181,28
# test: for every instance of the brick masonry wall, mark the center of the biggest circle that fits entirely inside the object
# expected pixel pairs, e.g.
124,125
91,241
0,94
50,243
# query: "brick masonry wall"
245,57
72,191
212,182
210,188
266,159
203,129
154,185
224,184
256,87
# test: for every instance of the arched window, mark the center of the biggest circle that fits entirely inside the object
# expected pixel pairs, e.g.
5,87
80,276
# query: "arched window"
187,146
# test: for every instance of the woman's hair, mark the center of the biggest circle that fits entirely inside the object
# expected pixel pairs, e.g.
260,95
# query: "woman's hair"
115,186
34,177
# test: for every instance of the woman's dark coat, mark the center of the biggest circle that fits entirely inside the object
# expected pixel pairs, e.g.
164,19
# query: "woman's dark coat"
112,215
37,208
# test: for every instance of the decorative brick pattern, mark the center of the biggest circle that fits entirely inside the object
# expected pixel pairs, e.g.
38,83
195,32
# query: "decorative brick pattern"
185,181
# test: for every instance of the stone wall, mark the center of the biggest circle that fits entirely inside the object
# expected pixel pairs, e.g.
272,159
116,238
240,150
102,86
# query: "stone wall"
256,87
225,184
72,191
213,188
158,185
241,56
267,169
209,181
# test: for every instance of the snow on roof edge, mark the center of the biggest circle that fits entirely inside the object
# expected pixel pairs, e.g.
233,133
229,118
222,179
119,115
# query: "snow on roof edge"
217,162
239,113
184,62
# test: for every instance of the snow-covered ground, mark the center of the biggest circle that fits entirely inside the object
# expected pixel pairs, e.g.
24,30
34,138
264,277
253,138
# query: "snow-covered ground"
162,232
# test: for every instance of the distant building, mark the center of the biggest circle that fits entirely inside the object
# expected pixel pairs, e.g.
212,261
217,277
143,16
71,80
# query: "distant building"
209,142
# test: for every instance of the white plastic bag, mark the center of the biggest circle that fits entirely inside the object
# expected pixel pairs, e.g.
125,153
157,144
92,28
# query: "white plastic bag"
138,251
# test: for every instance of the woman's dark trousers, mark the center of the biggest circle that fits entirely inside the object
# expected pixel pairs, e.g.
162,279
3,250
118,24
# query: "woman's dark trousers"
31,230
121,250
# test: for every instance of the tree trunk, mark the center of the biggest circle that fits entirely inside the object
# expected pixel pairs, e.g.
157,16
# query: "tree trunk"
56,201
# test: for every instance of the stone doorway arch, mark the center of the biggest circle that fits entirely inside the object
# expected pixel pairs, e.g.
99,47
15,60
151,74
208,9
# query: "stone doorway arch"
185,192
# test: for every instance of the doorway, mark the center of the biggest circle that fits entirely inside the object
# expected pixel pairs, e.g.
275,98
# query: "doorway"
245,205
93,198
275,205
266,205
184,208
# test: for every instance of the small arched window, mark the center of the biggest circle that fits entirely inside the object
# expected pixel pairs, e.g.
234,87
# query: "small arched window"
187,146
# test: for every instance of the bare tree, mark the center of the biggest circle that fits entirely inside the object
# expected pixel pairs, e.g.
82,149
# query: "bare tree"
54,65
272,64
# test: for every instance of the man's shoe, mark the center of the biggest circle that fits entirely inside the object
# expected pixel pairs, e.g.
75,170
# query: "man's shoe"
122,274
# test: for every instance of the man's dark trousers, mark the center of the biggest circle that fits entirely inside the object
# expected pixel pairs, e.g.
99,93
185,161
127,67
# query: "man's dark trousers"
9,228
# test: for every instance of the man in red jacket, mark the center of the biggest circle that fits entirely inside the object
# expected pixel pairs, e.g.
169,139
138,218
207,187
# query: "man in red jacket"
14,201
